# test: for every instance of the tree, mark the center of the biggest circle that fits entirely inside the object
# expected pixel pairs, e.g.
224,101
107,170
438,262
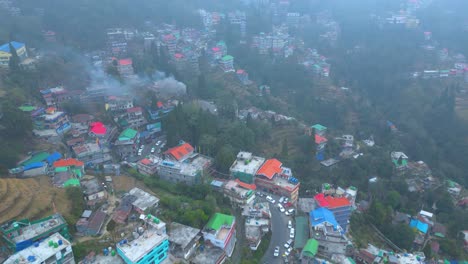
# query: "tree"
284,148
14,62
393,199
225,158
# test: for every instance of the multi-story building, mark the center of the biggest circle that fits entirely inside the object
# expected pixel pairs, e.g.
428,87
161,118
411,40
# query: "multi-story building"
245,167
116,42
227,63
6,53
340,206
243,77
118,103
150,246
53,120
134,118
275,178
180,61
148,166
184,240
54,249
170,42
399,159
24,233
125,67
143,201
327,231
239,192
180,152
220,231
56,95
92,153
179,172
126,143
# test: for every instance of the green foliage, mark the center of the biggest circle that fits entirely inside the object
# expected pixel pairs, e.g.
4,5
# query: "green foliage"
224,159
75,195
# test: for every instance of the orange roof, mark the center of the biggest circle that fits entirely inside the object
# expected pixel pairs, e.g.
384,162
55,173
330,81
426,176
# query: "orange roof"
334,202
246,185
180,151
124,62
319,139
270,168
145,161
68,162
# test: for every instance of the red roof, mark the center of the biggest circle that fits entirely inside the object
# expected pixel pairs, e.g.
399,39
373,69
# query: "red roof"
124,62
178,55
145,161
215,49
319,139
98,128
180,151
270,168
68,162
246,185
134,109
159,104
51,109
330,201
240,71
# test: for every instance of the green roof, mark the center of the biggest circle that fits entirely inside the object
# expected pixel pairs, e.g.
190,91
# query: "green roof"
71,182
451,183
218,220
61,169
227,58
319,127
128,134
38,157
310,248
302,232
77,172
27,108
351,260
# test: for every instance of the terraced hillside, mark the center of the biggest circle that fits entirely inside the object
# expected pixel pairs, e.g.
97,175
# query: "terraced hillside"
30,198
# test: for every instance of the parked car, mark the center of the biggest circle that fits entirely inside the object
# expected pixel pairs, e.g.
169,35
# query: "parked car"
285,200
271,200
281,208
288,251
276,253
289,224
281,200
290,211
291,233
153,149
288,243
158,143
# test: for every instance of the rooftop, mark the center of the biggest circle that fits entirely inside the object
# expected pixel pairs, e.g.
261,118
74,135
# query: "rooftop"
68,162
248,165
330,201
138,248
310,248
43,251
39,227
181,234
227,58
98,128
180,152
322,216
125,62
144,200
319,127
270,168
209,255
128,134
219,220
184,168
6,47
302,232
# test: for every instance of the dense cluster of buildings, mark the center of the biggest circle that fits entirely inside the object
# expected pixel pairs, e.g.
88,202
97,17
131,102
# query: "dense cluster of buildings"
6,52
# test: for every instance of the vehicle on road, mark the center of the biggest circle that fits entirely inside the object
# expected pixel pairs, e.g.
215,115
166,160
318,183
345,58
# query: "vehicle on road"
281,208
288,243
289,224
158,143
153,149
276,253
290,211
291,233
288,251
281,200
286,200
271,200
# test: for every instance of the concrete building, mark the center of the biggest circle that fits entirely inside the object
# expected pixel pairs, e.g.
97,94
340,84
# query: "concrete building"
23,233
118,103
220,231
254,231
116,42
239,192
327,231
180,152
399,159
93,191
212,255
125,67
55,249
126,143
227,63
134,118
183,240
6,53
245,167
178,172
148,166
340,206
91,225
150,243
143,200
275,178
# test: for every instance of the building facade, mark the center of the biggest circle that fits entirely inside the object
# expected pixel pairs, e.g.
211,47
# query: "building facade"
220,231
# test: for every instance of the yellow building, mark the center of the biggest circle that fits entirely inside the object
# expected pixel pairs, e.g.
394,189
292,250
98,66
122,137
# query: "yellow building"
5,52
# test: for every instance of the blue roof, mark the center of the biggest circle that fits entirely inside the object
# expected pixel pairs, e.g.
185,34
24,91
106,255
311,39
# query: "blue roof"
33,165
53,157
6,48
322,215
419,225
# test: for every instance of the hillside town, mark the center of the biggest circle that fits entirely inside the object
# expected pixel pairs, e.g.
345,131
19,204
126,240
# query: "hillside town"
262,202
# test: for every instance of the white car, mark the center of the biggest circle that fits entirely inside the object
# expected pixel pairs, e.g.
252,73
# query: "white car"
271,200
153,149
286,200
281,200
291,233
158,143
288,251
290,211
289,224
281,208
288,243
276,253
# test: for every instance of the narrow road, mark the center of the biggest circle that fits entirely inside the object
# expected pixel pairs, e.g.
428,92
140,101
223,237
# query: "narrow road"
279,233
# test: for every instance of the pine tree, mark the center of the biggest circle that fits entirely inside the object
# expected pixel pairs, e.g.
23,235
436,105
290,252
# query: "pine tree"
14,59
